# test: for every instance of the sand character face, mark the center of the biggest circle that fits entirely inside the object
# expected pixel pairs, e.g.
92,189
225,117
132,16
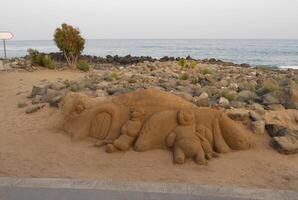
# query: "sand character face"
186,117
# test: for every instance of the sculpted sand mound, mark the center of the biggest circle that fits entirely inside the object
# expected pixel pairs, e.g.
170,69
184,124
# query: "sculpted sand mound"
148,119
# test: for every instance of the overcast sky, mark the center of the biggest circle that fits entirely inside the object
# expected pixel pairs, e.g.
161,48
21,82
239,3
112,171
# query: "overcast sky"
103,19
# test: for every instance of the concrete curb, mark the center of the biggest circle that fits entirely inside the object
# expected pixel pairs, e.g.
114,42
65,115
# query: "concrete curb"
73,189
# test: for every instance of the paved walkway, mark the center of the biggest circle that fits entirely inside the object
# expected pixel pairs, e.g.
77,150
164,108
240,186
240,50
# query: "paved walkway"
72,189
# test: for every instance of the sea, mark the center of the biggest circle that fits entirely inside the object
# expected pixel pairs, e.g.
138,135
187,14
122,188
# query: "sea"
270,53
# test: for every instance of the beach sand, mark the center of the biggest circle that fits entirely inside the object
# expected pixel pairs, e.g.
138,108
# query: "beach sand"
32,145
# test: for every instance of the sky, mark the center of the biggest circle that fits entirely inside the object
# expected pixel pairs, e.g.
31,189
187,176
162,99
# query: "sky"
152,19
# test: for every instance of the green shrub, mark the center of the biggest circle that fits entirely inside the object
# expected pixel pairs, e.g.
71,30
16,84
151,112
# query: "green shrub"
207,71
269,87
70,42
47,62
40,59
184,76
182,62
113,76
228,94
248,86
132,80
193,64
83,65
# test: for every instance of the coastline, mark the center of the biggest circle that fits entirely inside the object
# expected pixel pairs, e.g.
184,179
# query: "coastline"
256,52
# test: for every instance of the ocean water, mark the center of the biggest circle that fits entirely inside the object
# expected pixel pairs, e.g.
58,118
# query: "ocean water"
275,53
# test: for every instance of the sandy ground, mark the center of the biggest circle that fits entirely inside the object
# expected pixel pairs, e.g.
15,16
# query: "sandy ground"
31,145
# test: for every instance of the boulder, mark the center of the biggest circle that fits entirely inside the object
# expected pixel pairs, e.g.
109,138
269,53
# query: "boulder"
239,114
255,116
258,127
39,90
37,99
223,102
57,86
202,100
270,98
287,144
258,108
246,96
184,95
276,107
237,104
53,97
275,130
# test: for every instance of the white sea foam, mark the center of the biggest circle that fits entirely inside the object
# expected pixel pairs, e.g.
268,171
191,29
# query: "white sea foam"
288,67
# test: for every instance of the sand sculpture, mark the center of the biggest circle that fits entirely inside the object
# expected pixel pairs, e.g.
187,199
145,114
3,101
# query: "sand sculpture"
153,119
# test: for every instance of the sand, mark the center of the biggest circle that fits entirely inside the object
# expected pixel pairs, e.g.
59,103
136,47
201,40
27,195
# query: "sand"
32,145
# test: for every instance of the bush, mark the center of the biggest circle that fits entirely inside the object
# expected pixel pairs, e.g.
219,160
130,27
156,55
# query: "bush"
228,94
184,76
113,76
269,87
83,66
193,64
207,71
187,64
40,59
70,42
182,62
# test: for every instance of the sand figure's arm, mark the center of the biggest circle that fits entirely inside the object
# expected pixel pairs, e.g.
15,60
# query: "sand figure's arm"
219,142
170,141
207,148
134,131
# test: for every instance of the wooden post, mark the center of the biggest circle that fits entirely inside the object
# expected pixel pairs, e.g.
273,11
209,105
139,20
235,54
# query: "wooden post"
4,45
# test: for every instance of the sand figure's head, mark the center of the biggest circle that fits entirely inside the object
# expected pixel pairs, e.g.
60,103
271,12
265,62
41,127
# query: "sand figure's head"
137,113
186,117
74,104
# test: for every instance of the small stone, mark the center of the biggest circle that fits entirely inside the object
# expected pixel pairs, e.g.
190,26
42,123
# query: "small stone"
270,98
22,105
237,104
101,93
239,114
254,116
57,86
258,127
246,95
276,107
184,95
32,109
258,108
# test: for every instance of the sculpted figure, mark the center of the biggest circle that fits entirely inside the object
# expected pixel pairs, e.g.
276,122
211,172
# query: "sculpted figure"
104,118
222,133
129,132
184,140
152,124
